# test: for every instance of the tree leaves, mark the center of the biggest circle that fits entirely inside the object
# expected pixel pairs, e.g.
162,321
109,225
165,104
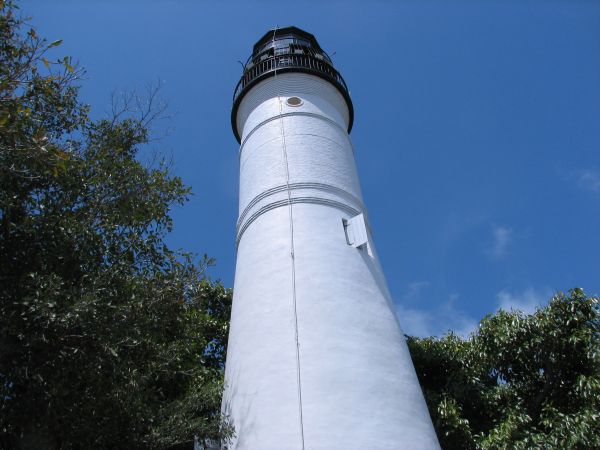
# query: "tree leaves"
521,381
108,338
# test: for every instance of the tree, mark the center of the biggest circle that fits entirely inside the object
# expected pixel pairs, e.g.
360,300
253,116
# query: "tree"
108,338
520,381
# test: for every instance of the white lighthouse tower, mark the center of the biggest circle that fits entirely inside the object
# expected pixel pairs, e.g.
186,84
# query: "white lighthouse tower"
316,358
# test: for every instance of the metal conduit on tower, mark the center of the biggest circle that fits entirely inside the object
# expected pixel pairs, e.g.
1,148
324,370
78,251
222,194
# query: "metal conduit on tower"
316,358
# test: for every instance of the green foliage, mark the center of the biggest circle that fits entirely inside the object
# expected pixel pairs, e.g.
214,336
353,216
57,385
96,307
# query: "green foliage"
519,382
108,339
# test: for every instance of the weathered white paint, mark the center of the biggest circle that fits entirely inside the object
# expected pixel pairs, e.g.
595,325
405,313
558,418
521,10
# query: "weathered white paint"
359,388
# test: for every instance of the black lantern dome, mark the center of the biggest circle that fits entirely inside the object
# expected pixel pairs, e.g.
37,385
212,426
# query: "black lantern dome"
282,50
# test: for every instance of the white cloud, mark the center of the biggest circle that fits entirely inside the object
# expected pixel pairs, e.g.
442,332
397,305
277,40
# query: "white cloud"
435,322
415,322
414,290
589,180
456,320
502,238
525,301
586,179
423,323
441,319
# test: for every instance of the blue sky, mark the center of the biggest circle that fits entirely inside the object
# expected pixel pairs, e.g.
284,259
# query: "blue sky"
477,131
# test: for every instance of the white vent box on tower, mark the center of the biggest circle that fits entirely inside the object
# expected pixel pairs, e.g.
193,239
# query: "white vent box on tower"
356,232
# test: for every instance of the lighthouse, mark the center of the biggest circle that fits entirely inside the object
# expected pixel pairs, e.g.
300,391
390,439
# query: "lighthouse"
316,358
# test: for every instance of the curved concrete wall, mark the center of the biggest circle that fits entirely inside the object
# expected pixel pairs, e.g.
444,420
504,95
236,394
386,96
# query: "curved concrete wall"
358,385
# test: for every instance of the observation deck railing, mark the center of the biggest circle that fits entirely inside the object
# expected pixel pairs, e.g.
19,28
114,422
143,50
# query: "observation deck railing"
289,61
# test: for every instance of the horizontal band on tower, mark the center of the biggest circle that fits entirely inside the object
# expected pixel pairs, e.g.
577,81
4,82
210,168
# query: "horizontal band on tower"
285,202
295,186
296,113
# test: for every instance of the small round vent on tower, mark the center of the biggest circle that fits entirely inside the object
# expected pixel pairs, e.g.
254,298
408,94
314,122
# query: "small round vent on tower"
294,101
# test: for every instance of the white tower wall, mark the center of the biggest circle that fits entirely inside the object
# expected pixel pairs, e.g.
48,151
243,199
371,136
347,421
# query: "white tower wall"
350,382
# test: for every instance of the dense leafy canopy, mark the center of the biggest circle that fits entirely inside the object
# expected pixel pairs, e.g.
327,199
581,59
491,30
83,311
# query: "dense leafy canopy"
108,339
519,382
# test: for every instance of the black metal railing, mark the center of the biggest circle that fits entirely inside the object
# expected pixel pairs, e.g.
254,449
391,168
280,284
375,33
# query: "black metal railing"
289,61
